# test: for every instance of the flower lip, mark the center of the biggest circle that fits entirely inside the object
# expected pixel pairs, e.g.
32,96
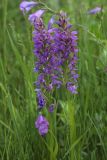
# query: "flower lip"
27,6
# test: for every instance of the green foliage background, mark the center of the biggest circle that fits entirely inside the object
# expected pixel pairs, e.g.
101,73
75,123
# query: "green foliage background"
80,124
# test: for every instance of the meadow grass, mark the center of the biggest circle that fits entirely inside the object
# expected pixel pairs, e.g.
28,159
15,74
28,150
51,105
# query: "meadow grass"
78,129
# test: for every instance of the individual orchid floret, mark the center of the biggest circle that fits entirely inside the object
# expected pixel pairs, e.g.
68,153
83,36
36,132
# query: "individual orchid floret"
51,108
63,21
95,10
37,14
26,6
72,88
40,100
42,125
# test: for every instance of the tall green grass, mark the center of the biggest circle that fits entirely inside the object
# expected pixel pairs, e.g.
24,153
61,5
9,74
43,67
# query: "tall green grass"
78,129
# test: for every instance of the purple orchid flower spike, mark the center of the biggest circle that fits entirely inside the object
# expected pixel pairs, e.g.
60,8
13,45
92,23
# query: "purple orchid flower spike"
27,6
35,15
95,10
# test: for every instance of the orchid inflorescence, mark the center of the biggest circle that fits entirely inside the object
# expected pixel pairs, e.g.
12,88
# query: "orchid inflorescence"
55,49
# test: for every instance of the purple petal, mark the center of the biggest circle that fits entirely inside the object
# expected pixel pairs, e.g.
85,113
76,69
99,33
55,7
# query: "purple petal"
51,22
75,50
69,26
51,30
74,32
27,6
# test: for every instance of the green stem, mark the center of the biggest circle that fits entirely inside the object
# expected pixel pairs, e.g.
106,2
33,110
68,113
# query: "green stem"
47,8
72,127
53,140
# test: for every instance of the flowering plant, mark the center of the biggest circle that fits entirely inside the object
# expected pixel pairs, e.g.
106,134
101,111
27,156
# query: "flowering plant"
55,49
